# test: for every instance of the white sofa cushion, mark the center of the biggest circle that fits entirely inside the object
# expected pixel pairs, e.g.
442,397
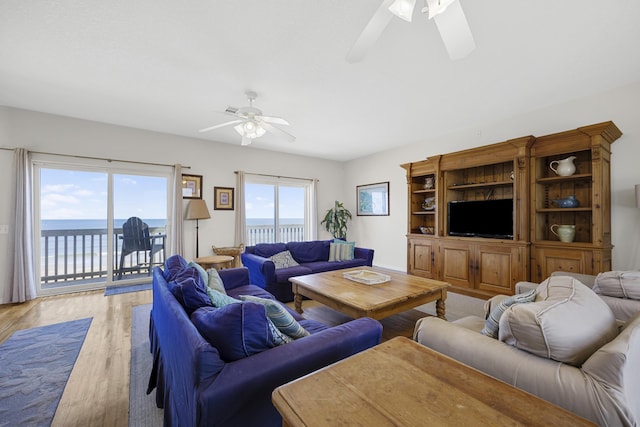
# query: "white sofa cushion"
567,322
619,284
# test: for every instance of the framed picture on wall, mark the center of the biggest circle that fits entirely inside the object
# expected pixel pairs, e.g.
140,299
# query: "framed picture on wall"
373,199
223,198
191,186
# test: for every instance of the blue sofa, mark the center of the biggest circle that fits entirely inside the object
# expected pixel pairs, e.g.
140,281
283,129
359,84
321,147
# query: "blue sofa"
196,387
312,257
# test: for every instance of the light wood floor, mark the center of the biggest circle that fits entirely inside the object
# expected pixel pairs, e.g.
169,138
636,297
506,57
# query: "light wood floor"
97,393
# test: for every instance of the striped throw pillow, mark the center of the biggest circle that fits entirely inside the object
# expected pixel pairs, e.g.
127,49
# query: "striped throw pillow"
280,317
493,321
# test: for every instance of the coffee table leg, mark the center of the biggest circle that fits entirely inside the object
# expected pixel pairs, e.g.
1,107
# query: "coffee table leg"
440,309
297,300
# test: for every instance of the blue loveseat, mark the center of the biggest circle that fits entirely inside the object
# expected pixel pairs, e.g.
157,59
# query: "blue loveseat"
312,257
197,387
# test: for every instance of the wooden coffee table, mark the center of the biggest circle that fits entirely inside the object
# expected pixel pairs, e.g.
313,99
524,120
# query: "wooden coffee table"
403,383
401,293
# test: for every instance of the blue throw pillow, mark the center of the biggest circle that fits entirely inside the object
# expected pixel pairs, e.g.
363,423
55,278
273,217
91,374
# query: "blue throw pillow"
189,290
218,299
235,330
172,266
201,271
280,317
493,321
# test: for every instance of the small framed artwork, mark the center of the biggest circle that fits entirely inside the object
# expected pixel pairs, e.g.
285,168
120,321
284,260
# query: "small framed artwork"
373,199
192,186
223,198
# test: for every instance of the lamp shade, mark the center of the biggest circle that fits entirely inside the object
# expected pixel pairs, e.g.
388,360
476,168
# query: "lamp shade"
638,196
197,209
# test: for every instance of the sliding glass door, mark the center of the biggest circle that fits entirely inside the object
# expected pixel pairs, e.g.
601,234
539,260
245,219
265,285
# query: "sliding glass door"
80,218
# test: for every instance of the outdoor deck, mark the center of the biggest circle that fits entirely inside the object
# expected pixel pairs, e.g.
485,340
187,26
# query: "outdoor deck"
79,257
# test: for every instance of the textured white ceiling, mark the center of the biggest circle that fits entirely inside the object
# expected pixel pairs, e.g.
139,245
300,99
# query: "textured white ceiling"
170,66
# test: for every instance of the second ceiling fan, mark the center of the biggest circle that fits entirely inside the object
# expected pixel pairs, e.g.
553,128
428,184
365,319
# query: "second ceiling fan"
447,14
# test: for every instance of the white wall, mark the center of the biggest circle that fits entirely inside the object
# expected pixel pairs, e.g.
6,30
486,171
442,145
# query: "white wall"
387,234
215,161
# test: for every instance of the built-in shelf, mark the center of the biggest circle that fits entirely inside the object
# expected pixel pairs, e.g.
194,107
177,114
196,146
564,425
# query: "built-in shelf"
544,210
554,179
481,185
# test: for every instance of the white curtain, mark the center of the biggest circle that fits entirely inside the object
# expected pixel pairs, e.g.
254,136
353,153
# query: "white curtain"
23,284
241,215
176,237
313,212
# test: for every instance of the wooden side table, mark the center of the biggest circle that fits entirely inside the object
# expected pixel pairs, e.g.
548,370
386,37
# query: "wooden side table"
233,251
215,261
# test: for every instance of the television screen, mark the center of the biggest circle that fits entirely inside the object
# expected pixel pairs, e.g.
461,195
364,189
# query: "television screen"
481,218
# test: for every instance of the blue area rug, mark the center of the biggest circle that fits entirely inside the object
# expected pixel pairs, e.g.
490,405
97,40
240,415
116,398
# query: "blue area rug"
35,365
115,290
142,406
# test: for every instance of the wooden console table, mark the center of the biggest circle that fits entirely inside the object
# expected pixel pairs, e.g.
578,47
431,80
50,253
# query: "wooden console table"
403,383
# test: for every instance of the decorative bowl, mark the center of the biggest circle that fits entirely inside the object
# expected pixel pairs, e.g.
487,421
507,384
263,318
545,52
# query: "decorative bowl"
426,230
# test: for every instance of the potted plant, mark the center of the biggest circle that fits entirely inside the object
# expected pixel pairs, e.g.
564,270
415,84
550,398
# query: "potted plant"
335,220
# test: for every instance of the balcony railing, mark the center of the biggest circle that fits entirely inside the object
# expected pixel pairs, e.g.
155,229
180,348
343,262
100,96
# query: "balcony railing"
266,233
73,255
81,255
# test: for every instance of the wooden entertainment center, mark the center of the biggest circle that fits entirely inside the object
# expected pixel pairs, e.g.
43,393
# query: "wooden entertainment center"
516,169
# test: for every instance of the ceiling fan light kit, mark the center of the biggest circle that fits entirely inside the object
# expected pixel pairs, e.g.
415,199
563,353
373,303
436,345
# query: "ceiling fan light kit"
250,129
403,9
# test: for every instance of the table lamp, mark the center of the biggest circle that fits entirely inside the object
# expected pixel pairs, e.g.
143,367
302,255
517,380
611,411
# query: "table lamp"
197,209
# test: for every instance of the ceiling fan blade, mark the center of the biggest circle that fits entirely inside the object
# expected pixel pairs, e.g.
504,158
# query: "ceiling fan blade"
232,122
245,141
371,32
273,129
455,32
272,119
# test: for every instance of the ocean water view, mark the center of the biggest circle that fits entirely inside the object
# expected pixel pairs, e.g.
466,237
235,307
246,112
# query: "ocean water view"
88,224
85,224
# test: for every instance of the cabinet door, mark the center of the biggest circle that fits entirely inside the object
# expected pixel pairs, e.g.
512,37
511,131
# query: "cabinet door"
549,260
497,268
457,267
422,253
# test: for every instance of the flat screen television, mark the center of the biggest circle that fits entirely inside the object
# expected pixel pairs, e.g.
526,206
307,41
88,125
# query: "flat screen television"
481,218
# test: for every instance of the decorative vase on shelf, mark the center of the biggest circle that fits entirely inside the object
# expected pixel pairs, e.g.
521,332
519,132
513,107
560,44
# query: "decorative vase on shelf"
429,204
566,233
564,167
429,183
567,202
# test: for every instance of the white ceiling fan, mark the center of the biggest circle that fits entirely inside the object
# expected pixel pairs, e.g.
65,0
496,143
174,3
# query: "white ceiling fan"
448,15
251,124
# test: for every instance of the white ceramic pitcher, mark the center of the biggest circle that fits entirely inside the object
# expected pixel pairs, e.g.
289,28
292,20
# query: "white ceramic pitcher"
564,167
566,233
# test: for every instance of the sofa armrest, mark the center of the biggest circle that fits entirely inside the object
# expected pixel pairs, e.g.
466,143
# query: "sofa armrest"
262,271
364,253
254,378
558,383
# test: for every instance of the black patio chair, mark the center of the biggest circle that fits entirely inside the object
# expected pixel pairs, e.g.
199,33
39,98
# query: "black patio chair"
136,238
